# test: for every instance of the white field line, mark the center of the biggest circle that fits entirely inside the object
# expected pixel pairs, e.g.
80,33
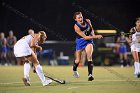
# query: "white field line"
72,87
118,80
8,83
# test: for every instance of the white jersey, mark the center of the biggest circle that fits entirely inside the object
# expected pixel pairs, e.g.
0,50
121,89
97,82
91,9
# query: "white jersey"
135,42
28,39
22,47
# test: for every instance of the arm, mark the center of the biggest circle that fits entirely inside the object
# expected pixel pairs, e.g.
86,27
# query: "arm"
138,40
93,34
128,40
80,33
118,39
130,36
5,41
15,40
34,42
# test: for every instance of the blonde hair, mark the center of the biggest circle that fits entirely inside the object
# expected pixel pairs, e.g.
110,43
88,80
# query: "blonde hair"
42,34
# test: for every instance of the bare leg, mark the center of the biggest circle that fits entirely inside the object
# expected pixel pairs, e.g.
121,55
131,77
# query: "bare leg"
89,51
76,63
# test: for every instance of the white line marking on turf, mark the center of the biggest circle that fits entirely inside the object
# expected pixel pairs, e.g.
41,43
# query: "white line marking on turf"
8,83
118,80
72,87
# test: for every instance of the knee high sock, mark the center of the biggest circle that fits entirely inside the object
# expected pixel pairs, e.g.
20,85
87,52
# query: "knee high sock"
75,65
137,67
26,70
90,67
40,73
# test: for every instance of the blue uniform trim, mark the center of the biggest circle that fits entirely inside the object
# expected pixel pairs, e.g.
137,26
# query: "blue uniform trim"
81,27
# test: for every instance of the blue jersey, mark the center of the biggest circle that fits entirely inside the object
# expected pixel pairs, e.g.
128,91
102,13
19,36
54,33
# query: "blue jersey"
81,43
122,41
85,29
10,41
122,48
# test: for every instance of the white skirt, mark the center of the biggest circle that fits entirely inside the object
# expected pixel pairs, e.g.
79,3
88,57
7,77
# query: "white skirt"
22,49
138,49
133,48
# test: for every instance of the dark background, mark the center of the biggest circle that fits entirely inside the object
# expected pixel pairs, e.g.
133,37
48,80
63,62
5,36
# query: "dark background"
57,16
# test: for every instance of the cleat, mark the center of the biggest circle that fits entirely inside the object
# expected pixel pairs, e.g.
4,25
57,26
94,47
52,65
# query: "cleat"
47,82
26,82
76,74
138,75
122,66
90,78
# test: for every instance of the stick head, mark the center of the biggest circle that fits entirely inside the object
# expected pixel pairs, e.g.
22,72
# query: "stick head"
63,82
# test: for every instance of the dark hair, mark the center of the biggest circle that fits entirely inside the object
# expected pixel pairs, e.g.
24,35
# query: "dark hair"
75,14
138,19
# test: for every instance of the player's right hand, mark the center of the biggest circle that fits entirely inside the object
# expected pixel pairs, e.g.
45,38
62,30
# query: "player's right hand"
99,36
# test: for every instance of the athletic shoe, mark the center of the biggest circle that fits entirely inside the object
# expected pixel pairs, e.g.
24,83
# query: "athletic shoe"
122,66
47,82
26,82
90,78
138,75
76,74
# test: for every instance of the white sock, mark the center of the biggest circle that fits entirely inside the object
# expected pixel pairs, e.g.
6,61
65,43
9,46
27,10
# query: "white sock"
40,73
136,65
26,70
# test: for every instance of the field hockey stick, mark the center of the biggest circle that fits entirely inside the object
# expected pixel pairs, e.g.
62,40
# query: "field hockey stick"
119,34
55,79
109,35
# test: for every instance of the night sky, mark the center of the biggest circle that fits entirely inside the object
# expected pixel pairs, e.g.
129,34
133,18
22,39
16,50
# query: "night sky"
57,16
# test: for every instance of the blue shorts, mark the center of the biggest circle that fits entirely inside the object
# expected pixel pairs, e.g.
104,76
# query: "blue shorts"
82,43
122,49
3,49
9,49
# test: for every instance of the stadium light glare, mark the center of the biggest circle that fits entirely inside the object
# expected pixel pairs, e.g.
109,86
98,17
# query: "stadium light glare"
107,31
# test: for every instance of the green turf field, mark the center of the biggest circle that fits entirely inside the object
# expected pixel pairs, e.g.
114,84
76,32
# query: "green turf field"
107,80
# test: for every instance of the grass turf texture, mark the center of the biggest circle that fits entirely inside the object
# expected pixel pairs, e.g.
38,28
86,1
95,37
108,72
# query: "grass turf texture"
107,80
